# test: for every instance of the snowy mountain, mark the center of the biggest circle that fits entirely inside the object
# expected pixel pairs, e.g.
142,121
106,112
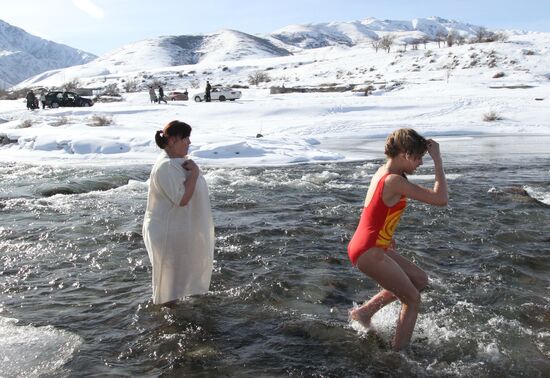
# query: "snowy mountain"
23,55
187,49
168,51
311,36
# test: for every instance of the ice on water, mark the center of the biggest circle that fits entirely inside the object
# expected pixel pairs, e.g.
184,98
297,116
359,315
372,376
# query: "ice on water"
32,351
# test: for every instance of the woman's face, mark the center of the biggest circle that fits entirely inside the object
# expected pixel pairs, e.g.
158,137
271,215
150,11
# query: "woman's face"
181,145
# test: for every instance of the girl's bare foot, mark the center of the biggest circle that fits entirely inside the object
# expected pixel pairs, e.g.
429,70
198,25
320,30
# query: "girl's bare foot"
360,315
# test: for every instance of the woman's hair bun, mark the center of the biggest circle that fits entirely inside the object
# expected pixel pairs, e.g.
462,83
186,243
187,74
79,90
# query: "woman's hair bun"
160,139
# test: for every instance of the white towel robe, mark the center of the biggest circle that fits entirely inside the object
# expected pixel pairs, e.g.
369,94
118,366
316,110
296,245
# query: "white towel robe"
179,239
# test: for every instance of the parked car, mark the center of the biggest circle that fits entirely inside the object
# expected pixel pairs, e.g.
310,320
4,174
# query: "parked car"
178,96
55,99
219,93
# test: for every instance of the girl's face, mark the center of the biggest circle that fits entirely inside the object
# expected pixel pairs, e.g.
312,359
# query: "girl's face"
412,162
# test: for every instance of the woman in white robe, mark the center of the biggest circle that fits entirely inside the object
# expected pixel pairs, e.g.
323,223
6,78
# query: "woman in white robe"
178,230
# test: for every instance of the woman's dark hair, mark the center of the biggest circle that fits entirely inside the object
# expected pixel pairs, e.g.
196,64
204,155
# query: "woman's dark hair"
174,128
407,141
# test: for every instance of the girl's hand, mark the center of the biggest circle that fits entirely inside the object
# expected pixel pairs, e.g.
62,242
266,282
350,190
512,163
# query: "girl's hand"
433,149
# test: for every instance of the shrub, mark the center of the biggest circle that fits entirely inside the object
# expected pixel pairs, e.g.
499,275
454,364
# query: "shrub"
130,86
491,116
156,83
369,90
111,90
60,121
258,77
25,124
194,84
70,86
100,120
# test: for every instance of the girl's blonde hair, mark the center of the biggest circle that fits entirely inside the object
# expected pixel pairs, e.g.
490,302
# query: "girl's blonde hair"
407,141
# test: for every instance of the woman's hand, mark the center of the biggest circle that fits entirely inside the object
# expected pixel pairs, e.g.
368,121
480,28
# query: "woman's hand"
191,166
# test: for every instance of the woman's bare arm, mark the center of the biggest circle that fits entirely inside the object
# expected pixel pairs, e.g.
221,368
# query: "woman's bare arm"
191,181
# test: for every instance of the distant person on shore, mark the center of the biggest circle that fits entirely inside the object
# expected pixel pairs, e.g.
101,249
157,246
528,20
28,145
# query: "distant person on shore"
161,95
178,230
372,248
207,91
43,99
31,100
152,94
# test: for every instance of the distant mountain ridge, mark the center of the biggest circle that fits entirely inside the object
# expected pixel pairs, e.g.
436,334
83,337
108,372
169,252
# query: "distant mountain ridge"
351,33
23,55
231,45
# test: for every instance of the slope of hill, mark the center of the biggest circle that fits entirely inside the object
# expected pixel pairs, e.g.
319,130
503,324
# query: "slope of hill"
23,55
167,51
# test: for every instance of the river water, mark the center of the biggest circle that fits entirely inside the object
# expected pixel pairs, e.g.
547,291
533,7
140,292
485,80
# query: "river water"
75,280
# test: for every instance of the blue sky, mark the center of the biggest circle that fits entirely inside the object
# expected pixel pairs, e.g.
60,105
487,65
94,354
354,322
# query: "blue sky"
98,26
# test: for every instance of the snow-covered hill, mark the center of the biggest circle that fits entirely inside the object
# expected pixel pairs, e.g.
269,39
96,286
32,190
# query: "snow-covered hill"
167,51
23,55
352,33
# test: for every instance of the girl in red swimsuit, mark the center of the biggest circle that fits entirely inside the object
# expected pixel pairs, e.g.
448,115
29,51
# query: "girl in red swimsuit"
372,248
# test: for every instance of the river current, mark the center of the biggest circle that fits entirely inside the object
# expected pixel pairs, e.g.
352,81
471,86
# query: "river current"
75,279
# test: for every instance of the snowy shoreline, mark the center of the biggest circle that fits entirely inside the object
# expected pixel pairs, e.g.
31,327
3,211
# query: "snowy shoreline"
296,128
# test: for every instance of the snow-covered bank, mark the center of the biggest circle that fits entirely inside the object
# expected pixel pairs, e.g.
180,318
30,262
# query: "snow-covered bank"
295,127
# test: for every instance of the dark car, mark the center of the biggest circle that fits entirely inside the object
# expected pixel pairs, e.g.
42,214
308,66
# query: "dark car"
55,99
178,96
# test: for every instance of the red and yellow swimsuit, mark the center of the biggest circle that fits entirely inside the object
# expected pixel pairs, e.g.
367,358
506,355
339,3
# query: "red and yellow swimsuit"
377,224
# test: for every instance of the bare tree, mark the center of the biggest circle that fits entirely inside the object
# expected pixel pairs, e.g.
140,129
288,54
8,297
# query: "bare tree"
440,36
375,43
501,36
481,35
452,36
424,41
386,42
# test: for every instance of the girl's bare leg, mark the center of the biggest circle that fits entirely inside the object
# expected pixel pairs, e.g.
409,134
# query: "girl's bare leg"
389,274
418,277
364,313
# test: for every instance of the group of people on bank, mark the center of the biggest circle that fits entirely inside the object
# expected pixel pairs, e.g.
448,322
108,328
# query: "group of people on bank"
153,95
33,100
178,229
160,98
